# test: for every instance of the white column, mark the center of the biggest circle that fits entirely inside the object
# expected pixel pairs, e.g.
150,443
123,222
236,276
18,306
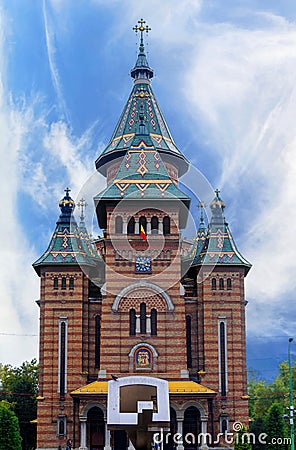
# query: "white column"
148,226
137,229
180,432
204,427
107,438
83,435
160,226
148,324
138,324
124,226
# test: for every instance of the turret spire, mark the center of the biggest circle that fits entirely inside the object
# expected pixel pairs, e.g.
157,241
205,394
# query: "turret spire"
142,71
82,205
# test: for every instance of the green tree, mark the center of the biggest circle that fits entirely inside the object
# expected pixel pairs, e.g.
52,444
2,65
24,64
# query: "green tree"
275,428
20,387
10,437
242,440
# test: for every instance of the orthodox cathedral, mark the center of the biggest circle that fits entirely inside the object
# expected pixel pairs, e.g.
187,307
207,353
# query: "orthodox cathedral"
141,301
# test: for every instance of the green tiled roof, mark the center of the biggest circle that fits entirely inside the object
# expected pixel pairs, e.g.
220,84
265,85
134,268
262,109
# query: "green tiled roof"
142,174
141,117
219,247
70,244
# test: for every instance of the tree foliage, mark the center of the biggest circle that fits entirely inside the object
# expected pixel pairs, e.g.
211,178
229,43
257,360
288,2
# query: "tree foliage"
10,437
268,403
19,388
242,440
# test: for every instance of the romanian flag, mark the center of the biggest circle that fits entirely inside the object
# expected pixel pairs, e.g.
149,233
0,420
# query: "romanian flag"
143,233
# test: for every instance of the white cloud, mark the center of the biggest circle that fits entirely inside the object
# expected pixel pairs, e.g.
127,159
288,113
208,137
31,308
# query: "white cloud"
242,83
18,286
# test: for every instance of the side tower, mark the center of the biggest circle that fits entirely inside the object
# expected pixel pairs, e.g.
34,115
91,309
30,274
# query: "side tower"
64,301
216,278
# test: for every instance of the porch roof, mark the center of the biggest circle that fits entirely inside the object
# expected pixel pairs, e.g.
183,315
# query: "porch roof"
175,387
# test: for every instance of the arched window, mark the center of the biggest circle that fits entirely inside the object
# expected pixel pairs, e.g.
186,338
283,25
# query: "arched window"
224,425
221,283
55,283
64,283
132,317
61,425
154,225
229,284
153,322
222,358
71,283
118,225
166,225
97,340
188,342
143,318
214,284
131,226
143,222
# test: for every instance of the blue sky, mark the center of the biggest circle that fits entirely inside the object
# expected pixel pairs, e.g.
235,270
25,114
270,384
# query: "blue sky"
225,80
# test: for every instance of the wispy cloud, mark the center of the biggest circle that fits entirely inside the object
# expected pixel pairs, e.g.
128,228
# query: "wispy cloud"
242,83
51,50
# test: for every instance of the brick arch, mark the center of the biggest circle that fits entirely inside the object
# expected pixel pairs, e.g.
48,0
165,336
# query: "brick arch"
136,297
152,294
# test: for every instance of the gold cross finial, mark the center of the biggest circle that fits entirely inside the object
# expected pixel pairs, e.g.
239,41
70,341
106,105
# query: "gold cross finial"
67,190
141,28
81,205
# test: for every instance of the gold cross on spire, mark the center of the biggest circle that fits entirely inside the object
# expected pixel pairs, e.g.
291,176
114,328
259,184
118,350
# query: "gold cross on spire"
141,28
81,205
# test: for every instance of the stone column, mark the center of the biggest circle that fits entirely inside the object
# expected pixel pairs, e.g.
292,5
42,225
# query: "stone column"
83,434
148,226
124,226
180,418
204,427
107,438
160,226
137,229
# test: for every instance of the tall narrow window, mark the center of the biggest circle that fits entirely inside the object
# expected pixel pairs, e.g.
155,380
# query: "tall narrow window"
132,317
221,284
153,322
223,424
154,225
188,342
62,369
229,284
55,283
131,226
143,222
118,225
61,425
71,283
222,358
214,284
143,318
97,340
64,283
166,225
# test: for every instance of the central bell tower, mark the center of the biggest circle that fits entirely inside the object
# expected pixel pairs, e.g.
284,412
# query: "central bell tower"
142,211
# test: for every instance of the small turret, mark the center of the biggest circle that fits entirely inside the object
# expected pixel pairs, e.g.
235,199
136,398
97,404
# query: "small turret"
219,247
68,244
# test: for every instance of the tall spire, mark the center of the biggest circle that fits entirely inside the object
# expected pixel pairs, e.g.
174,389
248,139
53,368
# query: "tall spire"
141,71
